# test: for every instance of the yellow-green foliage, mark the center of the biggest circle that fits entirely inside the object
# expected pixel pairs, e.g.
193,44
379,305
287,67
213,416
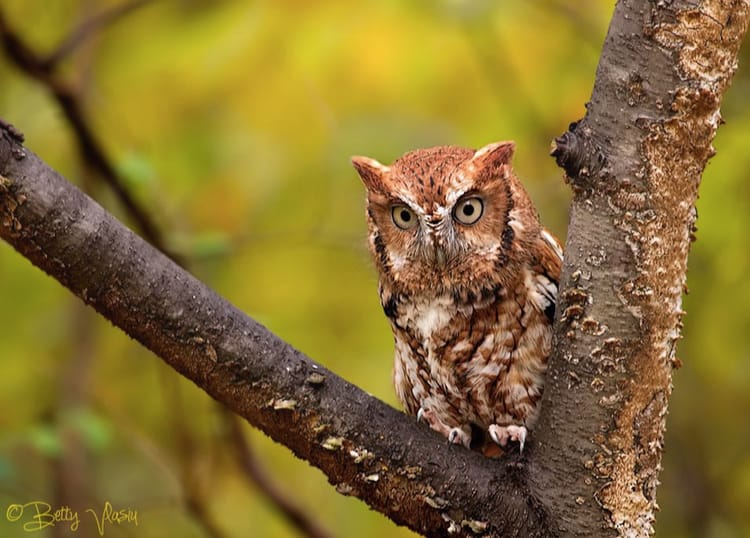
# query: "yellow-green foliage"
233,123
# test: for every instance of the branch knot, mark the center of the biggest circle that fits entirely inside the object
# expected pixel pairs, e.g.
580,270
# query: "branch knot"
577,154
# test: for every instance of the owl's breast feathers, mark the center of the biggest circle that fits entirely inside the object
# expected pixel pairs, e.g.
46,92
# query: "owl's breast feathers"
477,356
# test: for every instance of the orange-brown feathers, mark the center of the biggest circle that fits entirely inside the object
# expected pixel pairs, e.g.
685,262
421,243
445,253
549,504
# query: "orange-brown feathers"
468,278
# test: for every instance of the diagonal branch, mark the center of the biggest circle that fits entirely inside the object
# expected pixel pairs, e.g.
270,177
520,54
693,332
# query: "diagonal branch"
245,455
408,474
94,159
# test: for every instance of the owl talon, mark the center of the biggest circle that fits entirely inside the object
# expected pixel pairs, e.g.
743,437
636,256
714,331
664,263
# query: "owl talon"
420,415
521,438
498,434
502,434
459,436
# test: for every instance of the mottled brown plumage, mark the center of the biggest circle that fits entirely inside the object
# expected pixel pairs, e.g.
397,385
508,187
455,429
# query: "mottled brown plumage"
468,279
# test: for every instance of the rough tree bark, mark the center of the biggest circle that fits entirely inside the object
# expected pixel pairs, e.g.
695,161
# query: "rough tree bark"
634,162
592,467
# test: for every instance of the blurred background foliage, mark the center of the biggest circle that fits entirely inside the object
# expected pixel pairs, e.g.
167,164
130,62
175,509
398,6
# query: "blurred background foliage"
232,123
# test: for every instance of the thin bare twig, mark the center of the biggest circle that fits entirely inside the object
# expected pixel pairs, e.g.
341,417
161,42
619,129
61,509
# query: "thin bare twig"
91,149
71,468
87,28
194,494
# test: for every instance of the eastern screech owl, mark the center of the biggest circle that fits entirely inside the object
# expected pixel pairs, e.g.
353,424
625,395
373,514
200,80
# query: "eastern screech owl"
468,279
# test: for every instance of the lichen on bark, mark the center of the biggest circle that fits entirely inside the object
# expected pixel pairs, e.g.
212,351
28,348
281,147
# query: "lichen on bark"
634,163
674,151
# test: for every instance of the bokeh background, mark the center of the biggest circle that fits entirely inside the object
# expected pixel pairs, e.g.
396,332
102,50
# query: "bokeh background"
232,123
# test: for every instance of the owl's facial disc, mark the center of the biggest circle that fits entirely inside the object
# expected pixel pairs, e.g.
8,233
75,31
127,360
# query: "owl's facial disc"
436,233
443,229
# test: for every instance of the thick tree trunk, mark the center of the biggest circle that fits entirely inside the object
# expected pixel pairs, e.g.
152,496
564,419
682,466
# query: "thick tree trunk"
634,162
592,466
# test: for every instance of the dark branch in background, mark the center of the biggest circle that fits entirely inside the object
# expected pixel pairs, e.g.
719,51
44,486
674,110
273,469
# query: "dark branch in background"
263,482
87,29
194,494
43,70
366,448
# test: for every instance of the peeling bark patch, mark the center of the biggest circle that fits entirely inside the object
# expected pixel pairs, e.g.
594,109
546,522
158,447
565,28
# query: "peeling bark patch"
11,132
658,222
574,302
9,202
635,93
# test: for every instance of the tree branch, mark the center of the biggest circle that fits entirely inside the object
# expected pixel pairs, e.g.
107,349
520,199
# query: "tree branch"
86,29
635,163
410,474
44,66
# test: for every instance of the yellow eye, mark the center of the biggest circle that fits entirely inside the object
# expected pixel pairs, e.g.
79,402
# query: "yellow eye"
468,210
403,217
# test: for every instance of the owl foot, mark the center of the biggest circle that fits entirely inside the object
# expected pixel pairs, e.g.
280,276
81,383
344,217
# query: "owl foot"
460,436
427,416
502,434
457,435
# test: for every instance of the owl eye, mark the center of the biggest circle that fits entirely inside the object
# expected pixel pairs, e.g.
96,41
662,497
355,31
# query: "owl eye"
468,210
403,217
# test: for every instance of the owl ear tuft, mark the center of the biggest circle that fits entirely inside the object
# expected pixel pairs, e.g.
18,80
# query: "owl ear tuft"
371,171
490,160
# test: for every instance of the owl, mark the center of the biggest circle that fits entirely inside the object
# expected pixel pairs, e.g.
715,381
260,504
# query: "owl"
468,278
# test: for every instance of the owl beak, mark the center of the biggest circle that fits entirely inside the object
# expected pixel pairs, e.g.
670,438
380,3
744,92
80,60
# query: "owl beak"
439,257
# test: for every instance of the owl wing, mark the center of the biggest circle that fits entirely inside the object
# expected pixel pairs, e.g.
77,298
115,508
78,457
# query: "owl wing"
545,277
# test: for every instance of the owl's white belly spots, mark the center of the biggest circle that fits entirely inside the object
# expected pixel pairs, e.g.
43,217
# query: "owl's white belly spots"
475,366
480,370
427,317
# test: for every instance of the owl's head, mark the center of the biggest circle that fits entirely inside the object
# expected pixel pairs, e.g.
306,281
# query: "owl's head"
446,217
